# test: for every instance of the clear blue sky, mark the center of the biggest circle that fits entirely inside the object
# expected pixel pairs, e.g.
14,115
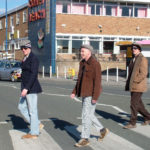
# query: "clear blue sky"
11,4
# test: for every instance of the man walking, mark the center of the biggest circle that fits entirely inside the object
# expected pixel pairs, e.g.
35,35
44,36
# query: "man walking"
89,88
137,84
30,87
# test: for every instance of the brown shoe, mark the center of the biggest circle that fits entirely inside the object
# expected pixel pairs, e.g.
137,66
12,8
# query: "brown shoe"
41,126
129,126
82,142
103,133
29,136
147,122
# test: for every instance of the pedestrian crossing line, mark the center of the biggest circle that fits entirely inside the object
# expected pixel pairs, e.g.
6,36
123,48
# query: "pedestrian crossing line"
43,142
112,141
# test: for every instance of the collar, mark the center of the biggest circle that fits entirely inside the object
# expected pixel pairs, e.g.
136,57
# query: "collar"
89,61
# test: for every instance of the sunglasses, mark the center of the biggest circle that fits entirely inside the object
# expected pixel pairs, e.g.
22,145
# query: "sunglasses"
24,48
134,47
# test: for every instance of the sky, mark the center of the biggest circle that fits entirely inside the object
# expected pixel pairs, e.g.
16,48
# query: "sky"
10,4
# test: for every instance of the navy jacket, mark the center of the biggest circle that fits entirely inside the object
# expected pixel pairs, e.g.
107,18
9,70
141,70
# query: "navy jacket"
30,75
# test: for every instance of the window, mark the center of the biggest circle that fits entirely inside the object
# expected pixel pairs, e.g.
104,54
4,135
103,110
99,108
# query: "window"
17,18
98,10
140,12
126,11
62,46
11,21
63,8
24,16
95,45
110,10
76,44
91,9
1,26
78,8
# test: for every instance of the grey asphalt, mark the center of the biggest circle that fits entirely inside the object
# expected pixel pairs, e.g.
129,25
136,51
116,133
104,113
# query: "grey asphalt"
57,110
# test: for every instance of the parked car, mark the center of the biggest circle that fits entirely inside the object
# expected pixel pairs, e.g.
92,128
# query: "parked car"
10,70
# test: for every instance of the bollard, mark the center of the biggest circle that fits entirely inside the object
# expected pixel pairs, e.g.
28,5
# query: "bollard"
57,72
43,72
50,71
117,74
107,74
65,72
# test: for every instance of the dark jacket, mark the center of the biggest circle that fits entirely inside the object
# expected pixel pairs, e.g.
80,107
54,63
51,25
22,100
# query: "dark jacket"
89,79
137,79
30,75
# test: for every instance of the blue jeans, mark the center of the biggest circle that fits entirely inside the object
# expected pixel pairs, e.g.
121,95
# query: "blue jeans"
28,108
88,117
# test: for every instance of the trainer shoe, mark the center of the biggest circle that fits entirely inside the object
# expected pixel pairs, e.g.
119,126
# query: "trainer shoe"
129,126
29,136
82,142
41,126
103,133
147,122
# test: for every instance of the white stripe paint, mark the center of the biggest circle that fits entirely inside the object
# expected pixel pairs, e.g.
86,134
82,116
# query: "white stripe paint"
111,141
43,142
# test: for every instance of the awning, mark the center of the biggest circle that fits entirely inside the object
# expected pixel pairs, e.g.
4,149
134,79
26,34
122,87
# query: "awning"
144,42
121,43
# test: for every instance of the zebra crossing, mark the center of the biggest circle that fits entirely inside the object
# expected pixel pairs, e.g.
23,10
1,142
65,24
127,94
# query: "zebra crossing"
46,142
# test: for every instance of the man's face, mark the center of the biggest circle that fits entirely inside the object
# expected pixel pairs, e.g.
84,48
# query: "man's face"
135,50
26,51
85,53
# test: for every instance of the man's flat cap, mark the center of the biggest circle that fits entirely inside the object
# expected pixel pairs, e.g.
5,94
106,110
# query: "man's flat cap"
25,43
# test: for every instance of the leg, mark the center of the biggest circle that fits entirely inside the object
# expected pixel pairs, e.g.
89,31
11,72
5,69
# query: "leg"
23,107
32,105
86,119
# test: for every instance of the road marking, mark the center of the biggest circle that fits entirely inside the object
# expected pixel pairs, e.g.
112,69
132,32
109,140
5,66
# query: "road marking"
112,141
43,142
3,122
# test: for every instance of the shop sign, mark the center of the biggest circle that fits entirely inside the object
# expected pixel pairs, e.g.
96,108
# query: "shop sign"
33,3
40,14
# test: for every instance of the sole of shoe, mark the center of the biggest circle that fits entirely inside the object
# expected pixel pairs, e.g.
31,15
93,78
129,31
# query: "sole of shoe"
107,131
78,145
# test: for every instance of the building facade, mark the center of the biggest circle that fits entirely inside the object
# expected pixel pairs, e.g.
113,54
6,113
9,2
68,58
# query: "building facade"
101,23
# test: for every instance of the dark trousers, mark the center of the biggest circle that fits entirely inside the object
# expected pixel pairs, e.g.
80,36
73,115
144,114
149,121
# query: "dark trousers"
137,106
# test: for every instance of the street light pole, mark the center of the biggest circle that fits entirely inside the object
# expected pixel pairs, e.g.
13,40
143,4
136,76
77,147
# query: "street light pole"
6,27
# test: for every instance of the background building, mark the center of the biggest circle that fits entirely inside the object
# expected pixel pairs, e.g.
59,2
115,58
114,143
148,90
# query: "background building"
102,23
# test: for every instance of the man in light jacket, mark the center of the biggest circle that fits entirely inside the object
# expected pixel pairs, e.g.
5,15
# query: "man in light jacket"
137,84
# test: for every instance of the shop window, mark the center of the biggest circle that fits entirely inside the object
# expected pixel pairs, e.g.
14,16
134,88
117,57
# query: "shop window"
76,44
95,45
62,46
108,47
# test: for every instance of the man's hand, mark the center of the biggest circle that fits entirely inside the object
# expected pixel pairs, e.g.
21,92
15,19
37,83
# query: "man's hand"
72,96
94,101
24,92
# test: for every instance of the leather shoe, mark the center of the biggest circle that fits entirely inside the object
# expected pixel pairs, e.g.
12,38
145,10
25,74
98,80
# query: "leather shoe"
147,122
29,136
129,126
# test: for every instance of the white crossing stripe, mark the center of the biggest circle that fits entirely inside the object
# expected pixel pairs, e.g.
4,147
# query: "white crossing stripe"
112,141
144,130
43,142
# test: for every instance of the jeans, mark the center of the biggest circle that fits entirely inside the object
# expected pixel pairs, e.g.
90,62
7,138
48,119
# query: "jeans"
88,117
28,108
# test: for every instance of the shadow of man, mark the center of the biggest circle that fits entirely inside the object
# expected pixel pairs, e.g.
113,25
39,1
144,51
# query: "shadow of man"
17,122
66,126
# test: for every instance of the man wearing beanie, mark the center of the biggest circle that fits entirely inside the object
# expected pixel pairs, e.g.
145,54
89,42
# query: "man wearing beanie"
137,84
88,87
30,87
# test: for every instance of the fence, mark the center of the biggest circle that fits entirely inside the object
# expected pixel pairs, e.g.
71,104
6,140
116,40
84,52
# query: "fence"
69,73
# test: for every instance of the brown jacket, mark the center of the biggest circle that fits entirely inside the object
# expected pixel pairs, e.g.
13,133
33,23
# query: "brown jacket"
89,79
137,82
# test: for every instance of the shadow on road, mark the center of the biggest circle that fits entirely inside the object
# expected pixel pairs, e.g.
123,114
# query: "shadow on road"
17,122
117,118
61,124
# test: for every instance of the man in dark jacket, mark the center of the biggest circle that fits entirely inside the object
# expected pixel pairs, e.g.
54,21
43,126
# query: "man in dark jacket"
30,87
89,88
137,84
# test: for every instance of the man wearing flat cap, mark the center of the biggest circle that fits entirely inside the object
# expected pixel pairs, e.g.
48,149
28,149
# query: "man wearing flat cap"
137,84
89,88
30,87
